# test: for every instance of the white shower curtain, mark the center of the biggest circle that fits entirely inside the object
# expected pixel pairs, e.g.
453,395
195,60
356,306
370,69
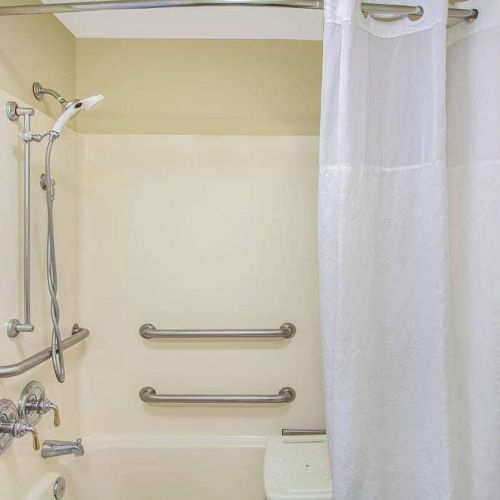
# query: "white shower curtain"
409,242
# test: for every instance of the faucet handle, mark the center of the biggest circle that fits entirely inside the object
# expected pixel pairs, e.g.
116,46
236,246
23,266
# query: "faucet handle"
22,429
43,406
33,405
57,416
36,441
11,427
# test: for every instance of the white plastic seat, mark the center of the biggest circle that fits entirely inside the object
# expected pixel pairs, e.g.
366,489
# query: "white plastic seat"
297,468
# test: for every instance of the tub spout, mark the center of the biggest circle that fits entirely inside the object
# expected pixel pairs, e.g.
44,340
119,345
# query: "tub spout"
58,448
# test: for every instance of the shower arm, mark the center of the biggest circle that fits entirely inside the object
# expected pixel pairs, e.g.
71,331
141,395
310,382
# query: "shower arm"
39,91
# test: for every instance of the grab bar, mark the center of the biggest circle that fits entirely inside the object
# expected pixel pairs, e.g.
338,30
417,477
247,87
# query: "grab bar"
149,331
77,335
303,432
149,395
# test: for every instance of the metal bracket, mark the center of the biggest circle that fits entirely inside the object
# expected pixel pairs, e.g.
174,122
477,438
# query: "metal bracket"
12,326
37,90
15,327
11,110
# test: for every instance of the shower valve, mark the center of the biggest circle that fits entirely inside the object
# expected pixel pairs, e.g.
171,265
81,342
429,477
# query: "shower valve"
18,429
33,405
12,427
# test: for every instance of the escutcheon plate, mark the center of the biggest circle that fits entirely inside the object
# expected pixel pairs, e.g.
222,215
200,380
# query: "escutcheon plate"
32,393
8,413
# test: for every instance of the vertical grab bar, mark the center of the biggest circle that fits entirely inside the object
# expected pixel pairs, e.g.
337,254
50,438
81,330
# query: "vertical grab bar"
14,327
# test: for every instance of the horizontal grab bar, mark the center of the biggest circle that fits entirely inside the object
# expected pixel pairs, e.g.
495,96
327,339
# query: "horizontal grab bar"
77,335
303,432
149,331
149,395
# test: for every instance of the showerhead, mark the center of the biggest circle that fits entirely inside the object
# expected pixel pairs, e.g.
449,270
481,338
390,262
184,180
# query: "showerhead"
72,108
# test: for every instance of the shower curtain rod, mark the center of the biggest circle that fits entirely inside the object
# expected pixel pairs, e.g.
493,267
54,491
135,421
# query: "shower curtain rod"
368,8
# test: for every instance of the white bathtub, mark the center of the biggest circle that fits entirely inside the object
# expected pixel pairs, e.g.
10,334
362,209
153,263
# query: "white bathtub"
163,468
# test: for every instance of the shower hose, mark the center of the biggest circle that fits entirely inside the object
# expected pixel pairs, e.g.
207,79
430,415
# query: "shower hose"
57,351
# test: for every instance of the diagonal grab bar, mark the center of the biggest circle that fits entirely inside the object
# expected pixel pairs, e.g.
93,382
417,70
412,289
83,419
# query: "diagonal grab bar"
149,395
77,335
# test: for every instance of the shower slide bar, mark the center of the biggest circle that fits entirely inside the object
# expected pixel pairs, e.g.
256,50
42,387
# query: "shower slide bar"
14,112
149,331
77,335
149,395
413,12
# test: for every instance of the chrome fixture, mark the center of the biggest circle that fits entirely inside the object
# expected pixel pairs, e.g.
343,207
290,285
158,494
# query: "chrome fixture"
149,395
77,335
303,432
149,331
367,8
14,327
11,427
33,405
39,91
59,448
59,488
387,12
56,351
13,10
69,110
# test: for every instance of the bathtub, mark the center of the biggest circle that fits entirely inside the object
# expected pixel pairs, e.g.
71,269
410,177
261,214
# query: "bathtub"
160,468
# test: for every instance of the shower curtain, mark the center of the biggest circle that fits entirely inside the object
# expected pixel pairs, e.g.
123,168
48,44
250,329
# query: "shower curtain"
409,244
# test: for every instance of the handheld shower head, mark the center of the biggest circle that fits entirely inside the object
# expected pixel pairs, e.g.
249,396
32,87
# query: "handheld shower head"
72,108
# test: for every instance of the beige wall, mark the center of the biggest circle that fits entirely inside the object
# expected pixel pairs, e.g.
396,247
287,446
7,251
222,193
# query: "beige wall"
36,48
20,467
198,232
235,87
187,200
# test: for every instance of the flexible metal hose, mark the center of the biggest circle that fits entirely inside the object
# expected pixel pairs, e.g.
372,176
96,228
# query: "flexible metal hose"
57,351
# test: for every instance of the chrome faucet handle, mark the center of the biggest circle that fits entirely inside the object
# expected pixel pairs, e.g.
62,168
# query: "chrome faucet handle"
11,427
42,407
33,405
19,429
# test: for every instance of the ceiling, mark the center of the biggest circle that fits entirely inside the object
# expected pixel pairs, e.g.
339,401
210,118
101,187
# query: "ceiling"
197,22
